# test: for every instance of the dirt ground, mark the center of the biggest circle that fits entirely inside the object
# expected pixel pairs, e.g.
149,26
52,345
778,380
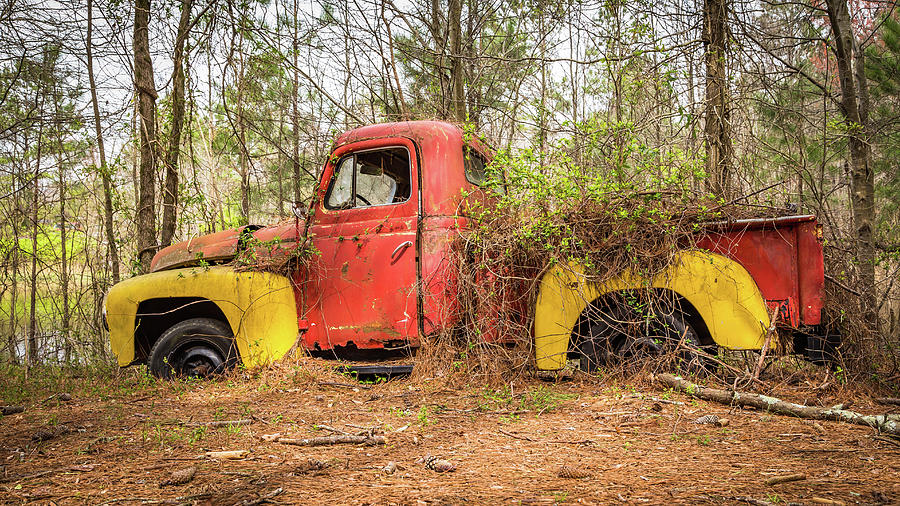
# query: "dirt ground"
122,435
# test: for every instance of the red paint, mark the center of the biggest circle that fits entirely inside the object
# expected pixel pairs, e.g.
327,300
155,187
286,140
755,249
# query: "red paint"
217,246
384,274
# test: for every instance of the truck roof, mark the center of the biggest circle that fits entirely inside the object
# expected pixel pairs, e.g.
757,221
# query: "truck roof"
422,132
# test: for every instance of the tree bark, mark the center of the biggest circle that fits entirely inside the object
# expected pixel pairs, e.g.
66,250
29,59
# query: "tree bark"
104,171
13,340
239,128
170,197
146,89
398,97
718,121
244,154
855,109
336,439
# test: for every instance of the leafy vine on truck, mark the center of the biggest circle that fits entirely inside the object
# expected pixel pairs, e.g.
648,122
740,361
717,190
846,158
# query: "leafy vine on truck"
376,274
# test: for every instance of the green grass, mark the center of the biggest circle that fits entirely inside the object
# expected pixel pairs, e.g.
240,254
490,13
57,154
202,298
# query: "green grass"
541,399
97,382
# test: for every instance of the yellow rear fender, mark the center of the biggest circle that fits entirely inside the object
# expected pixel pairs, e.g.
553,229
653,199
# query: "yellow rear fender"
721,291
258,306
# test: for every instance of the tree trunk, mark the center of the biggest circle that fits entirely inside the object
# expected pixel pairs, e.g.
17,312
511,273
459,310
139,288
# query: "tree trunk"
32,348
13,341
295,114
398,97
457,80
146,89
718,121
542,104
17,219
244,155
854,107
170,197
63,239
104,172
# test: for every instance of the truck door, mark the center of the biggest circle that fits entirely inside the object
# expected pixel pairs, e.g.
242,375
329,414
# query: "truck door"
361,289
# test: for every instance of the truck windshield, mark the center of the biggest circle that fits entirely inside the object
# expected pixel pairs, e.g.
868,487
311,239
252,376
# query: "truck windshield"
370,178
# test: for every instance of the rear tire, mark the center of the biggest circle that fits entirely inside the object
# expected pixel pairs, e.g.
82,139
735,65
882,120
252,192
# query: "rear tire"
606,335
196,348
618,335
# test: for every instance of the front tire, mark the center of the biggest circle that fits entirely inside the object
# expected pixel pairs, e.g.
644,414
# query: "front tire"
196,348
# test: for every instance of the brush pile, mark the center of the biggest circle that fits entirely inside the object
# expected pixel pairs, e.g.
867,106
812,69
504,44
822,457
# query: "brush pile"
565,215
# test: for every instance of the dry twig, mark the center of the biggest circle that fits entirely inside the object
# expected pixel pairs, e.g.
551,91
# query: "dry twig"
333,440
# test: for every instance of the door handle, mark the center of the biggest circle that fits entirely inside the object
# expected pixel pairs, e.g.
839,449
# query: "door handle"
400,248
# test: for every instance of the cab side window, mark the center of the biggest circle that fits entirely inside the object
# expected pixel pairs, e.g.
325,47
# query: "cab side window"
370,178
475,166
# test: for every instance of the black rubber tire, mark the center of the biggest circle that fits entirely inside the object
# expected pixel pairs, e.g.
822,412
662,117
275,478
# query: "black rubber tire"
605,336
199,347
610,340
677,327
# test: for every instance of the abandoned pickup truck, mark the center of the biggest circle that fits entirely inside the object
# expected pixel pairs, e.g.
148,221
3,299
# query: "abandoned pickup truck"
383,224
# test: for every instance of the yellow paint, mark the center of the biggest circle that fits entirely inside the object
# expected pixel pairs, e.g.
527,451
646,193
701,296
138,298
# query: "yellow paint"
259,307
721,290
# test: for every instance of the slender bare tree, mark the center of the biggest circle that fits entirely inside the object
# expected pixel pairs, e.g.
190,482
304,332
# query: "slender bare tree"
146,91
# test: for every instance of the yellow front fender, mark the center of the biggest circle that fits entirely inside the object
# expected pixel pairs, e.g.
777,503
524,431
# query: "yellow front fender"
259,306
721,290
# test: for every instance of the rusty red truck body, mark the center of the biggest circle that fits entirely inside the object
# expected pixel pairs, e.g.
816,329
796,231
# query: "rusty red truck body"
383,224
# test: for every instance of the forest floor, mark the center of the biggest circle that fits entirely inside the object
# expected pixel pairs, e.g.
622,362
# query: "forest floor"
122,434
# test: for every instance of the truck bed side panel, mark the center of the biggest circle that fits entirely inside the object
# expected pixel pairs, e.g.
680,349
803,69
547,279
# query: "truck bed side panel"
784,257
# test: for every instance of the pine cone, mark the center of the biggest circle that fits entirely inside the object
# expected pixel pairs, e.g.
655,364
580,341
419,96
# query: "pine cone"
180,477
48,433
311,466
573,472
707,419
438,465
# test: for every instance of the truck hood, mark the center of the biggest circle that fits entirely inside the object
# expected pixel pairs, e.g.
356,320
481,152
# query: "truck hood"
223,246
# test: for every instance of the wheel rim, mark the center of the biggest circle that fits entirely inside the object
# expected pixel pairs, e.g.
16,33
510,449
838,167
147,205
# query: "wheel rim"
195,360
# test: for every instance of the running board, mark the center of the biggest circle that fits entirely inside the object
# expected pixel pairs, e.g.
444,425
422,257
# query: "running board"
369,370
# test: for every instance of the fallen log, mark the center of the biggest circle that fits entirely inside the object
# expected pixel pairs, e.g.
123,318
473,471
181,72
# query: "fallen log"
889,424
262,499
888,400
333,440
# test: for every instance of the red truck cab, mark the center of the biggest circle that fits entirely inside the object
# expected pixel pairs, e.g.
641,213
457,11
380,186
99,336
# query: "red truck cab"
383,221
